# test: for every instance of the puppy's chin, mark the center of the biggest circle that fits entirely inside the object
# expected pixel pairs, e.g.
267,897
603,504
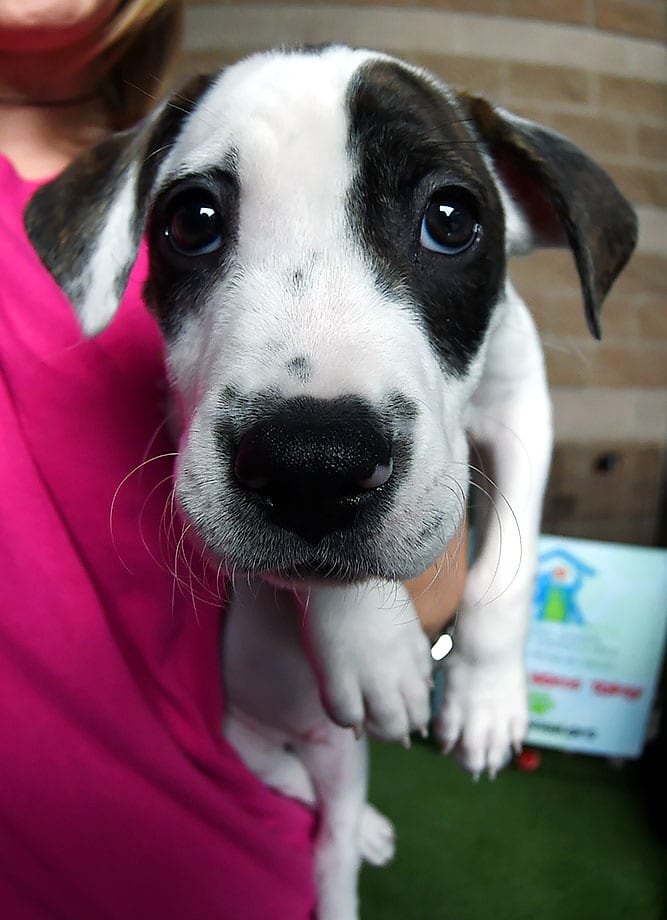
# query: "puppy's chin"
304,577
296,583
313,571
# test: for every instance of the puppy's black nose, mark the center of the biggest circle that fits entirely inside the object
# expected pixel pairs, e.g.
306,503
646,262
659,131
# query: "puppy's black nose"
313,464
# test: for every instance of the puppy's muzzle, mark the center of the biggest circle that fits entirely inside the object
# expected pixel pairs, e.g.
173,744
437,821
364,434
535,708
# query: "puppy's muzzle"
312,465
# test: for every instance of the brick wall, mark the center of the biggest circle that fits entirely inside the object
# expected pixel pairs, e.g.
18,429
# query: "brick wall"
595,70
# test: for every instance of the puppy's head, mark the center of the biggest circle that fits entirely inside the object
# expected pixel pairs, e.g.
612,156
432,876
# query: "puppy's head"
328,233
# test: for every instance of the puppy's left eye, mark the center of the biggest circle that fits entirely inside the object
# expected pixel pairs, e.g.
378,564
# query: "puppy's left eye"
450,224
193,226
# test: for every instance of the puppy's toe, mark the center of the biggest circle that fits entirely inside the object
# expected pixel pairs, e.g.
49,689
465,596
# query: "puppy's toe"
344,703
447,727
518,729
471,750
388,717
417,697
377,837
499,752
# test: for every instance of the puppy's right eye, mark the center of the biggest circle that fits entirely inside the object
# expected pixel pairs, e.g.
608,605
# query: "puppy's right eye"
193,226
450,224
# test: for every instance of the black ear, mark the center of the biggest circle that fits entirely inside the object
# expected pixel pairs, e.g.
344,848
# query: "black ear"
565,197
87,224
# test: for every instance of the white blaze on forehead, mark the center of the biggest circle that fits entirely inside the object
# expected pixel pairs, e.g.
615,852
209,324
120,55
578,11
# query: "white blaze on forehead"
284,116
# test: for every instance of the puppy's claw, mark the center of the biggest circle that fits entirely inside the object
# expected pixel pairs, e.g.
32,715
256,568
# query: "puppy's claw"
358,730
448,746
406,743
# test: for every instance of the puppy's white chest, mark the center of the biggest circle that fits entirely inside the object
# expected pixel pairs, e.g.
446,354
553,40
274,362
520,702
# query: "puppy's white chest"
267,674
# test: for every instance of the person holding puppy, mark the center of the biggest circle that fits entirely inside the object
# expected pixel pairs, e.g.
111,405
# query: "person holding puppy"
118,795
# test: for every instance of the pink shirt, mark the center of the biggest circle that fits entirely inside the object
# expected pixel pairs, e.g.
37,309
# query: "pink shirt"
118,798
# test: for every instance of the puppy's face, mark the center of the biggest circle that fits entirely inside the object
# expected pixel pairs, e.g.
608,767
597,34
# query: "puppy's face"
327,243
327,249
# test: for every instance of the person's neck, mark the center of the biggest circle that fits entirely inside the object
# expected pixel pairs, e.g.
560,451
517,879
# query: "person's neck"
48,113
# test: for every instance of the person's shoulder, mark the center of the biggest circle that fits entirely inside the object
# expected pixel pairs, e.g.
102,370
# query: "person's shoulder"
15,192
13,184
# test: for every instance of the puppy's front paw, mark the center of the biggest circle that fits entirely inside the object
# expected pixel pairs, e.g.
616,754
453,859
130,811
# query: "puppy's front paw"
382,684
372,660
484,712
377,839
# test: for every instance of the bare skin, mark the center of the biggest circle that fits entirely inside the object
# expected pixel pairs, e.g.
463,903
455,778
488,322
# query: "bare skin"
47,54
437,593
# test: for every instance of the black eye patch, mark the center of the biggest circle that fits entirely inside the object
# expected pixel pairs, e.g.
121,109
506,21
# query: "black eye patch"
425,206
192,231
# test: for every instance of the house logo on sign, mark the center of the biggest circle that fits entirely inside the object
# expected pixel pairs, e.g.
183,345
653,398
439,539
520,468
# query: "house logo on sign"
560,577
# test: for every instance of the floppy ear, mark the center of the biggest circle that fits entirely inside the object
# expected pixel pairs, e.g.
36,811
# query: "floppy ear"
87,224
565,197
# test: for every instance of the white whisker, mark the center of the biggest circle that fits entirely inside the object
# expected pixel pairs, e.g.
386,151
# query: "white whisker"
112,509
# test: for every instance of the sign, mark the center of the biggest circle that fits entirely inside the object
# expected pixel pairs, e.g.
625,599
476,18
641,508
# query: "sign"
595,645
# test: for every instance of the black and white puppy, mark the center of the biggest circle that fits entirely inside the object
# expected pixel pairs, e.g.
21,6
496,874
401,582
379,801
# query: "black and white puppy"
329,232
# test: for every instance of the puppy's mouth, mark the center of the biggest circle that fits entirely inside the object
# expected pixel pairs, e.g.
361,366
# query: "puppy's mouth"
314,575
254,547
381,545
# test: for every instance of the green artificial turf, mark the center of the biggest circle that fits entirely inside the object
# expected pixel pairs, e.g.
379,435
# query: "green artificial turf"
570,841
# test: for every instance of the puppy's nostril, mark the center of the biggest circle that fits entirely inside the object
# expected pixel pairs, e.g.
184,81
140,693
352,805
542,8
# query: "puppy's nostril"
255,464
255,483
380,475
